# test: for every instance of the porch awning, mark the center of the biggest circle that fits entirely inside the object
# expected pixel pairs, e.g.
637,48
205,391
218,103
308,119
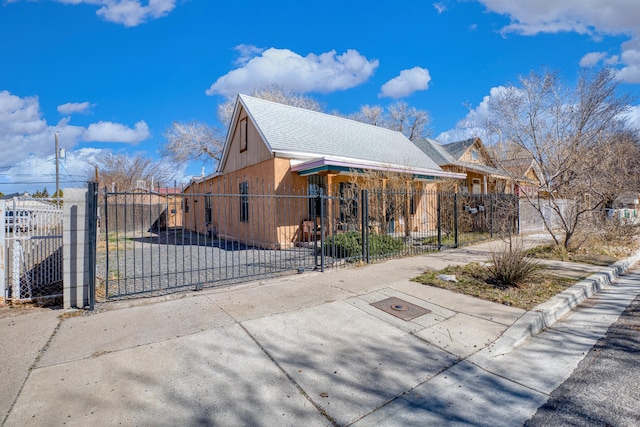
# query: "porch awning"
349,166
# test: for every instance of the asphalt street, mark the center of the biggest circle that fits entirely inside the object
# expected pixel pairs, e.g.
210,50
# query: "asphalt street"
604,390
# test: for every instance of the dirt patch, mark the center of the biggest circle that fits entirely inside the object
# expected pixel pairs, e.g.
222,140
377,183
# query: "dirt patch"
474,279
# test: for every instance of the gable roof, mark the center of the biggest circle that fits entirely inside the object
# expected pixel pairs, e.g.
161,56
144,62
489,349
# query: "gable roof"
457,149
305,135
449,154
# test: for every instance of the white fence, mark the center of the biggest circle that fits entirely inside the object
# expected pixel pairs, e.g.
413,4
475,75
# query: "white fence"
532,220
31,249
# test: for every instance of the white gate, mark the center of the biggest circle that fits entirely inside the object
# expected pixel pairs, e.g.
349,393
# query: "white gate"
31,242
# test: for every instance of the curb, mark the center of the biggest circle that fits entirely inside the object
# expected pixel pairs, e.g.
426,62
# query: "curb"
546,314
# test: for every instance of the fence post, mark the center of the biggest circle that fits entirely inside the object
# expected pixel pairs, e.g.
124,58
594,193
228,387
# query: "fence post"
3,254
439,213
321,198
106,243
364,194
517,202
491,215
92,223
455,220
313,201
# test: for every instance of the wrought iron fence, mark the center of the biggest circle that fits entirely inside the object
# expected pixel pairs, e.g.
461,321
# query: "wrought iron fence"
32,238
151,243
235,231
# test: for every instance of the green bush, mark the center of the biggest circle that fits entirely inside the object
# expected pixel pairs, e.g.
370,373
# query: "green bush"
384,245
349,245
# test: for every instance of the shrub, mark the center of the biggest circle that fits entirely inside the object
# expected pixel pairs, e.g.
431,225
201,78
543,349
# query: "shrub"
349,245
510,266
384,245
343,245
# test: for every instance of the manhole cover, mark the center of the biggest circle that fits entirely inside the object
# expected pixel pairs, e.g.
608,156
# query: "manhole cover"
400,308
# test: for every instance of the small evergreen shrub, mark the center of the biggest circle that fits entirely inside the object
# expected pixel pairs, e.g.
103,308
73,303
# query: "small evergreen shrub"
349,245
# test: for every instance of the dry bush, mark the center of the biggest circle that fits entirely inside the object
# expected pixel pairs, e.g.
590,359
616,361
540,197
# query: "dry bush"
509,264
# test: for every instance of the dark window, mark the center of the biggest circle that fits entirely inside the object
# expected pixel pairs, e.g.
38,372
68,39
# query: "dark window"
317,185
244,201
412,202
186,205
243,134
207,209
348,202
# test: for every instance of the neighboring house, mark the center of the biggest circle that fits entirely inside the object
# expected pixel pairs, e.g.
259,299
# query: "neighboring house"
174,202
141,209
471,158
277,149
526,174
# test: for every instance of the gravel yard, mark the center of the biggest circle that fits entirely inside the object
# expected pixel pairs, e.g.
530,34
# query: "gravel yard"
157,264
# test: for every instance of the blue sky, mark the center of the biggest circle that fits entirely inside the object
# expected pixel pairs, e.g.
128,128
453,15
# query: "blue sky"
112,75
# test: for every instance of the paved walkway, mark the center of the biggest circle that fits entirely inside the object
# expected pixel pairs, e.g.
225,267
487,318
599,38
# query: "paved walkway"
305,349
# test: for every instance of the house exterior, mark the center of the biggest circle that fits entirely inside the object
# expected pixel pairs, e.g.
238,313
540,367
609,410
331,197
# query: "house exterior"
470,157
526,175
278,151
173,200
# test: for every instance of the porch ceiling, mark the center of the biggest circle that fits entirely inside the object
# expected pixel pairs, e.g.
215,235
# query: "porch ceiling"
348,166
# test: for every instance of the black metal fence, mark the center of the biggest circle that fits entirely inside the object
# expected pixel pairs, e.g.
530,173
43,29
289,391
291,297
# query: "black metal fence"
152,244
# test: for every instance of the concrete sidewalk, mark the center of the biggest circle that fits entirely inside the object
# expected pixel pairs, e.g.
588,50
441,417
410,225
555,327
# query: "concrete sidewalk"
303,349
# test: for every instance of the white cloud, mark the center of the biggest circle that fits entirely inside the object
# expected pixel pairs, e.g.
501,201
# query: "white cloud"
322,73
592,59
633,117
630,73
440,7
455,135
246,52
116,132
477,117
408,82
128,12
25,133
585,17
75,107
595,17
474,124
35,173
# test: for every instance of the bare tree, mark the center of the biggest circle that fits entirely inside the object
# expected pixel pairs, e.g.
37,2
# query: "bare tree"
372,115
389,196
123,172
568,132
401,117
193,141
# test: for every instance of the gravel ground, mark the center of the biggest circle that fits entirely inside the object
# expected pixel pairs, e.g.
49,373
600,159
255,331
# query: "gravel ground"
157,266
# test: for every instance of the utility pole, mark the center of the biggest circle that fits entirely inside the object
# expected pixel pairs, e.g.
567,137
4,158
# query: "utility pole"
57,172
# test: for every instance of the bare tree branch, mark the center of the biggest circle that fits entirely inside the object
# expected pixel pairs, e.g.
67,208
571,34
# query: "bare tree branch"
575,136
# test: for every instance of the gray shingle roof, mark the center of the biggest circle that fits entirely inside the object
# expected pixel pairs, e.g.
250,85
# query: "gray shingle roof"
435,151
288,129
450,153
